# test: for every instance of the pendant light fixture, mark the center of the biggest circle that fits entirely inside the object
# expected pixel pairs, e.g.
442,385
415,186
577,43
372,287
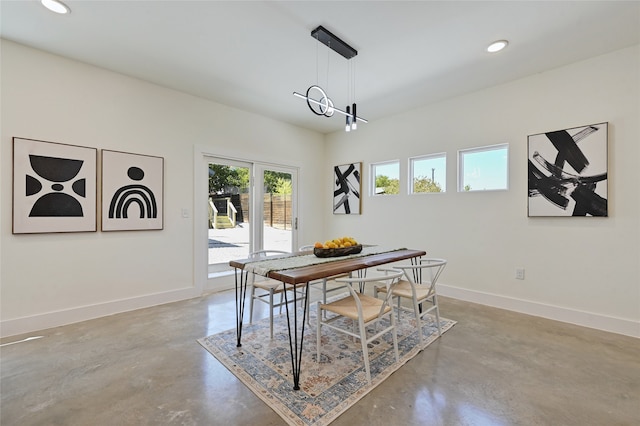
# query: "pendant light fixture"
317,99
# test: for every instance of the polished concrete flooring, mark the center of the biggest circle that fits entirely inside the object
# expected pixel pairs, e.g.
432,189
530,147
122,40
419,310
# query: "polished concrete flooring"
493,368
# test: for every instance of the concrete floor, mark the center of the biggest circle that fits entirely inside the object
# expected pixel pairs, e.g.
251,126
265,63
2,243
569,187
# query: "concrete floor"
493,368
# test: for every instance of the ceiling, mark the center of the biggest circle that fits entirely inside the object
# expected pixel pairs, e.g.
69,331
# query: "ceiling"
253,55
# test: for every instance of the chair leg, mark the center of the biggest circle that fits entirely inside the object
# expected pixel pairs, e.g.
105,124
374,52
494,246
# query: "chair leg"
435,303
416,311
271,311
395,336
318,324
307,303
365,350
252,295
324,294
324,291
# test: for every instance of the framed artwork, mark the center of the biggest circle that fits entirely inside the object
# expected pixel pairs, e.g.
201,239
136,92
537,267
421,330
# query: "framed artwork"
567,172
347,188
54,187
132,191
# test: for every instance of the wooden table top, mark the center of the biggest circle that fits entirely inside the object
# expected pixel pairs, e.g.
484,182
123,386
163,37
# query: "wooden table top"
339,266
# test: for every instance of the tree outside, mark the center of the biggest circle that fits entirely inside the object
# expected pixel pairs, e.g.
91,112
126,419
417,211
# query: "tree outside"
222,177
386,185
424,184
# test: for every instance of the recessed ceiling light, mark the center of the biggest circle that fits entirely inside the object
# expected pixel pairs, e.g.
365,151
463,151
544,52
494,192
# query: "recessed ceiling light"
56,6
497,46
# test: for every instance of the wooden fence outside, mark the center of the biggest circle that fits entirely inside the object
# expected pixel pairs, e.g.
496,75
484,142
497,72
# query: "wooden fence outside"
277,210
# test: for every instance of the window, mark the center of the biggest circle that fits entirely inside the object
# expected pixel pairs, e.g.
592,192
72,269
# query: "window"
385,178
483,169
428,173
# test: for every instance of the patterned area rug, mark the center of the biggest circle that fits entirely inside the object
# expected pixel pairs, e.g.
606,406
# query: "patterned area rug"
328,388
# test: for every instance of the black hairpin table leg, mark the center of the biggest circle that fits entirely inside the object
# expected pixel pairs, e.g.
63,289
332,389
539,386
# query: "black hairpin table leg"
241,291
294,347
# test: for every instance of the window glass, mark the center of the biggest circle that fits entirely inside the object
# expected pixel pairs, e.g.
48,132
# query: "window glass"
386,178
428,173
483,169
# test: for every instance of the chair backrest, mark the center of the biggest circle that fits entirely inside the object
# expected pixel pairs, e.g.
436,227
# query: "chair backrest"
414,273
389,280
260,254
263,254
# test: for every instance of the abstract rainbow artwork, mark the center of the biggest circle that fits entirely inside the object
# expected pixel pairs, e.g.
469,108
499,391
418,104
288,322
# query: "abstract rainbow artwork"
132,191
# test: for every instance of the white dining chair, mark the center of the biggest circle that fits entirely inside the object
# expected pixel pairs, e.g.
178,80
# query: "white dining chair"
324,282
419,287
364,311
265,289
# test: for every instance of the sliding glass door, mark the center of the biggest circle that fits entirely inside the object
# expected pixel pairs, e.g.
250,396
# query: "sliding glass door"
277,207
251,207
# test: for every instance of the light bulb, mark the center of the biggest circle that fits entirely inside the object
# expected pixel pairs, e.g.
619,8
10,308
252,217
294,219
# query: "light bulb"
347,126
354,120
497,46
56,6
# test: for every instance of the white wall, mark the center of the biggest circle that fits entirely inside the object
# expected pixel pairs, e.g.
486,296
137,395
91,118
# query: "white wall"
52,279
580,270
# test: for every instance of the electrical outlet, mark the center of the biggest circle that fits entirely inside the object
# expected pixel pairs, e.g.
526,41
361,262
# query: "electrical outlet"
520,273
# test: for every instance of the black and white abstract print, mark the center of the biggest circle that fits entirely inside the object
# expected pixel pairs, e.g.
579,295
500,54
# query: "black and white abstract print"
347,189
54,187
132,191
567,172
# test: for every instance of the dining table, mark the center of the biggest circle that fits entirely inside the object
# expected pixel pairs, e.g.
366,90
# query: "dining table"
298,270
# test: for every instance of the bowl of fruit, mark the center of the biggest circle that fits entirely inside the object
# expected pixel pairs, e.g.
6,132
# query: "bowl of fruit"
337,247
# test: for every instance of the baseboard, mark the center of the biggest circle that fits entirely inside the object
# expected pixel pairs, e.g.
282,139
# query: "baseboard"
219,282
33,323
22,325
558,313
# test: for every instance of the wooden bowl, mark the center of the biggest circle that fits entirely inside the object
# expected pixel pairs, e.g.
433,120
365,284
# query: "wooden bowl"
336,252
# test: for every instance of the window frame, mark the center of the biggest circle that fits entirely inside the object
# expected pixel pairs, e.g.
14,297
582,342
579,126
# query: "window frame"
411,178
486,148
372,177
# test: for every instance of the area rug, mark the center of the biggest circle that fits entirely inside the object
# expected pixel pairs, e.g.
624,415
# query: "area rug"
328,388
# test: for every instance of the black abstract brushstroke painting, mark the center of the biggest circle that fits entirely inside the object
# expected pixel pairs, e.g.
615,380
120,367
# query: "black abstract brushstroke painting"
555,184
588,202
345,187
565,176
567,151
549,188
